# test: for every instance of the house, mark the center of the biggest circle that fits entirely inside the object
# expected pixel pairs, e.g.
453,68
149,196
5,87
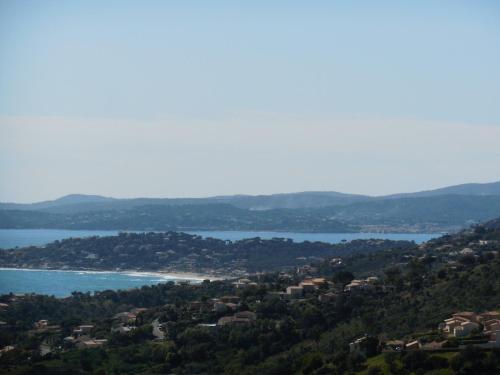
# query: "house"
307,269
465,329
233,320
6,349
83,330
308,286
395,345
230,299
327,297
319,281
240,318
126,317
246,315
466,322
413,345
225,320
468,315
488,315
295,291
355,285
491,325
122,329
41,324
449,324
467,251
87,344
242,283
3,306
434,345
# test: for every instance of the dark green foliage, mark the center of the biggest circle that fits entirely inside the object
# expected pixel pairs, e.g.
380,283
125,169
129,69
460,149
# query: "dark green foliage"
289,337
182,251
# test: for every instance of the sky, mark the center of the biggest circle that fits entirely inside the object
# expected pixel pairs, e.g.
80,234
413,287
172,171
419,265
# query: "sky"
197,98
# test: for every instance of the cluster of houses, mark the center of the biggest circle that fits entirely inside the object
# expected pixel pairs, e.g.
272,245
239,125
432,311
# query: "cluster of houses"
370,283
239,318
484,327
329,291
360,345
225,304
305,286
472,249
465,323
244,283
82,335
229,304
126,321
82,338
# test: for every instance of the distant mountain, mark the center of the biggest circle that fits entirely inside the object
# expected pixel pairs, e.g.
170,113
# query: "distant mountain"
307,199
67,200
492,188
77,203
427,214
444,209
72,204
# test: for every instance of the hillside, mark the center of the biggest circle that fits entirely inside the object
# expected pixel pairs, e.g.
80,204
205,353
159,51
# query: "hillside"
492,188
174,252
177,217
76,203
259,328
86,203
427,214
441,210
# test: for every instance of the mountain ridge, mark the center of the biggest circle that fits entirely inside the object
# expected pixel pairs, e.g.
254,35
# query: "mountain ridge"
76,203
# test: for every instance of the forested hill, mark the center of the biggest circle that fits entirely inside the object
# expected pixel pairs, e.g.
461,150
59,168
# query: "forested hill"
173,251
426,214
76,203
178,217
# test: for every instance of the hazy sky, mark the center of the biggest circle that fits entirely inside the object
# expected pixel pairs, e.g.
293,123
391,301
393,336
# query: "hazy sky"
198,98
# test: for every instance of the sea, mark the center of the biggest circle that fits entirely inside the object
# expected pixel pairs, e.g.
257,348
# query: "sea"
61,283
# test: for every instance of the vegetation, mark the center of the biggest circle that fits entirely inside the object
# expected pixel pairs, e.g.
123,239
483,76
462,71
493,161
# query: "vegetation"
418,288
183,252
350,214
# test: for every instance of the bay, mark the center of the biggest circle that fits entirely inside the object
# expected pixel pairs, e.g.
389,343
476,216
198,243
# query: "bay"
61,283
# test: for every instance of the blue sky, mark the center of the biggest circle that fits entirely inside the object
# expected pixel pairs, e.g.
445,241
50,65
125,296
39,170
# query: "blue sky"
195,73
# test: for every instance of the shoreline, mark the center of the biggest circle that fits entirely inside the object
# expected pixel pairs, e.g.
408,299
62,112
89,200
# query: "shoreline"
196,231
174,275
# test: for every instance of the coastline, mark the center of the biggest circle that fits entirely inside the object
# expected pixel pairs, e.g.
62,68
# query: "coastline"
174,275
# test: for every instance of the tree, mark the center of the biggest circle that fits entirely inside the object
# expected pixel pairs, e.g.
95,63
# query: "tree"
342,277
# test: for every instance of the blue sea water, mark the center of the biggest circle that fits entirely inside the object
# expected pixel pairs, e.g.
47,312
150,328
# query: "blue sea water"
332,238
10,238
62,283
